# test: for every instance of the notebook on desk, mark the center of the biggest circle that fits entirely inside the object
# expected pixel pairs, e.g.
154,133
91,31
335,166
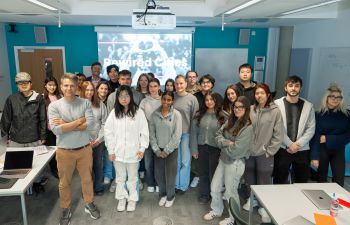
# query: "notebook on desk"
17,164
320,198
298,220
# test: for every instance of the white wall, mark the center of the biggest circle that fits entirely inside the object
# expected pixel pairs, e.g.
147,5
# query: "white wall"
323,34
5,85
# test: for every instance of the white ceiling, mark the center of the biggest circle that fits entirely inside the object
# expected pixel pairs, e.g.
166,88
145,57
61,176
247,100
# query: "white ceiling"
188,12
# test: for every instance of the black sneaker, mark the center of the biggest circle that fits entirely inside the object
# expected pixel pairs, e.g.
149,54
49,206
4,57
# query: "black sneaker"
204,199
92,209
65,218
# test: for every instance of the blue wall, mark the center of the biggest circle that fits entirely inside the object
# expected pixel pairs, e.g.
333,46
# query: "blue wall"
80,43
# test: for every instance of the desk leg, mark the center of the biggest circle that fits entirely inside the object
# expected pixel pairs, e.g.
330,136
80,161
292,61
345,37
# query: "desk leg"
251,209
24,211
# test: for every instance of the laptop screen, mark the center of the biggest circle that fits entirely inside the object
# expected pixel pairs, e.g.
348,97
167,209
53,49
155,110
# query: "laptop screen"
18,160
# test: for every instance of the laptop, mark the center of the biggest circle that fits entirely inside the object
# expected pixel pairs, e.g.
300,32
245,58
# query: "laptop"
17,164
298,220
320,198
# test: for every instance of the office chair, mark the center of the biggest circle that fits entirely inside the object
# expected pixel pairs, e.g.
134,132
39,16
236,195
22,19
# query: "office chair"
235,211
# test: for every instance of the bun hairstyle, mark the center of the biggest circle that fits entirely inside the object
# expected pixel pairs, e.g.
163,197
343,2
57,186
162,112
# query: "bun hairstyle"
333,87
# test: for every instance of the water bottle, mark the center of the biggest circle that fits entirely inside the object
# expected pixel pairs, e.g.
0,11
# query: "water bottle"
334,206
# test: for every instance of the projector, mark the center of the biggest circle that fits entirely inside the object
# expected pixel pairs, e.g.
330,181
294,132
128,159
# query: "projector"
153,19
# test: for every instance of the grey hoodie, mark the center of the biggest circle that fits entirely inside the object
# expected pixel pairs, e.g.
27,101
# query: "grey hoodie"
234,147
268,130
165,132
149,105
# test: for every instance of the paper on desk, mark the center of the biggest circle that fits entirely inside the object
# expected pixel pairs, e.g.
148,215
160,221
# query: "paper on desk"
324,219
38,150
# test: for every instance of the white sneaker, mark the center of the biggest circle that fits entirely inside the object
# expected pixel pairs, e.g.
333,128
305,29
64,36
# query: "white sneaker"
131,206
227,221
162,201
168,204
246,206
121,205
157,189
142,175
106,180
265,218
112,187
194,182
150,189
210,215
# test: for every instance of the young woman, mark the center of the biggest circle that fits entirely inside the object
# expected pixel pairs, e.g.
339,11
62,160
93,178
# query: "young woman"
142,84
331,135
267,139
187,105
96,135
165,134
102,90
169,85
126,136
51,94
149,105
231,94
234,139
203,144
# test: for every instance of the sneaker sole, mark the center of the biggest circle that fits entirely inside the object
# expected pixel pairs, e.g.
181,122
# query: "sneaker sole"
87,211
69,216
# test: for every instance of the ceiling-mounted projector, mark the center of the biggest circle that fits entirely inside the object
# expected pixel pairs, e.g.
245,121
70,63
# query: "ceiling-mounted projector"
153,19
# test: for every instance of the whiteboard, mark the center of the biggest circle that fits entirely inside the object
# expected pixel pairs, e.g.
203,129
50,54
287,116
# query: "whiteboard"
221,63
334,65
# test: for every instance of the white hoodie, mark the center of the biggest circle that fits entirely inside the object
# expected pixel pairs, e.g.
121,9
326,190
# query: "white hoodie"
125,136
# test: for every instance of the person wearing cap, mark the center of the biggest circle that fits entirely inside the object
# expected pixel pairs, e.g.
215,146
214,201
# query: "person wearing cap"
23,120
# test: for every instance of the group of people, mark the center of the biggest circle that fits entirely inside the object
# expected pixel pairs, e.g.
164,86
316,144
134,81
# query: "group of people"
106,129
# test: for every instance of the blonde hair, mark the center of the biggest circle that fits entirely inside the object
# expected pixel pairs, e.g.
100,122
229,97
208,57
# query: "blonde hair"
70,76
333,87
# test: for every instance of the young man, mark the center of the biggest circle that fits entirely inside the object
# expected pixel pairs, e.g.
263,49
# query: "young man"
246,87
95,74
71,119
299,122
192,85
23,120
124,79
112,71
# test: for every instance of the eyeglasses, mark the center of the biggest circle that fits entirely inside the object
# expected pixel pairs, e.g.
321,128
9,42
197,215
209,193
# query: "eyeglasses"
23,82
124,96
241,107
333,97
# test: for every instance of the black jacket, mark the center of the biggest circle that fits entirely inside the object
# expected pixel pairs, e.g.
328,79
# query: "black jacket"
24,120
247,92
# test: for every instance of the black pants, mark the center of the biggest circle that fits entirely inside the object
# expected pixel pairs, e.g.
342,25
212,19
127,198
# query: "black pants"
300,162
258,169
208,160
165,172
335,157
51,141
149,166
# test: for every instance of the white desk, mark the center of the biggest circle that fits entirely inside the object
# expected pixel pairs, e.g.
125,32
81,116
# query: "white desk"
284,202
21,186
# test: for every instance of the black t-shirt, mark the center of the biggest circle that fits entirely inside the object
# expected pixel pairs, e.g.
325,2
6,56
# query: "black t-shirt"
293,112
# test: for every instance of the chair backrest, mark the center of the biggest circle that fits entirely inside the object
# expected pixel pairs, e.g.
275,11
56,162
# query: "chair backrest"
235,210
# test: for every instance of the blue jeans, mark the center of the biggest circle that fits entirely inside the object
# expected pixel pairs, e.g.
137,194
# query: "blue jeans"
108,167
149,164
183,163
97,167
228,175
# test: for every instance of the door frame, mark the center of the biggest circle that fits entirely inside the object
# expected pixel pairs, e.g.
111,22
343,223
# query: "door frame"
16,48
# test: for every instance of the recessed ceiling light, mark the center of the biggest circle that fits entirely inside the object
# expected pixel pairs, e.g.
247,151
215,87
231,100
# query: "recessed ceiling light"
310,7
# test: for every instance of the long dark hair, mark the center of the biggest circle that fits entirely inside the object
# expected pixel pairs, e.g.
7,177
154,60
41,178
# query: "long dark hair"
242,121
119,108
172,82
203,109
267,91
46,93
227,105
